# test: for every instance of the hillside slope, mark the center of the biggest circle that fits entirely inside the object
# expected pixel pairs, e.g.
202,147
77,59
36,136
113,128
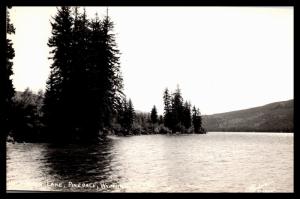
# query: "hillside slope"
274,117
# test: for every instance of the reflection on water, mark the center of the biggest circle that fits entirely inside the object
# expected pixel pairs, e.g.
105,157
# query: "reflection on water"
215,162
80,167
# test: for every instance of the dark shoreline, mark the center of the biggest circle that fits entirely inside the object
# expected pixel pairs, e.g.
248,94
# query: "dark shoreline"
179,134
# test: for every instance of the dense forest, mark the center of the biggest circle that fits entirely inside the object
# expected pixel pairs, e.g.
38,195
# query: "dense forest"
84,98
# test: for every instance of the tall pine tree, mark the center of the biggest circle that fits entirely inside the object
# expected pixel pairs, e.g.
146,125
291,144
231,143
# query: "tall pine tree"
187,120
56,107
6,87
153,115
111,78
85,86
104,76
197,120
177,111
130,114
77,96
167,109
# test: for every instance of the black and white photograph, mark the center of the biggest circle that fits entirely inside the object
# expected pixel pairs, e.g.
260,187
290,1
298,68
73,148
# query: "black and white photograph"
149,99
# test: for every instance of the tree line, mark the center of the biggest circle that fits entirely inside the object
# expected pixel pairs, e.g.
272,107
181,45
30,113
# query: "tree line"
84,97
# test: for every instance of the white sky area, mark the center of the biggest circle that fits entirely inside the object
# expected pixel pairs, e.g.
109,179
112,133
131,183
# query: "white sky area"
223,58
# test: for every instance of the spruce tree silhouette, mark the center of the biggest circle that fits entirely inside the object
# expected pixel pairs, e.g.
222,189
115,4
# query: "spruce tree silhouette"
177,111
187,118
131,114
153,115
56,102
84,89
6,87
197,121
167,109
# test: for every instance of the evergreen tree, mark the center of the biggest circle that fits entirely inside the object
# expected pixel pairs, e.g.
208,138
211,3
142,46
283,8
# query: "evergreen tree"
197,120
167,109
130,114
82,121
127,116
56,102
187,120
124,115
112,80
6,87
105,81
84,89
154,117
177,110
96,116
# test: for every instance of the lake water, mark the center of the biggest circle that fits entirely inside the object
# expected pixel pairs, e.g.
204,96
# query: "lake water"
214,162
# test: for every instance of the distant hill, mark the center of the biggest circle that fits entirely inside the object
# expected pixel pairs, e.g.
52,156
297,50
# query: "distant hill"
274,117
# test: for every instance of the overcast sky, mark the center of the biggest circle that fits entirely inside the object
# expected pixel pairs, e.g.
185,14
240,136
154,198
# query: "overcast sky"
223,58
